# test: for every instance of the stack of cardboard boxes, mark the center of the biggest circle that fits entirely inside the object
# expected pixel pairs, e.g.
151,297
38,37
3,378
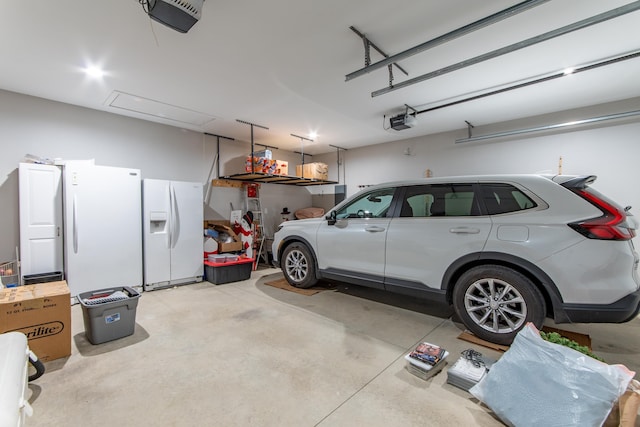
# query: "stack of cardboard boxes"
262,162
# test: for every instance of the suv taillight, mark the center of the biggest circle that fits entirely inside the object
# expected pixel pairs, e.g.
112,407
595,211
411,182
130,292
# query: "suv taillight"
610,226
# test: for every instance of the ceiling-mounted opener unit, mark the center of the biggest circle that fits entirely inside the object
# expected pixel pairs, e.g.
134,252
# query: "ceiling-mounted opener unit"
404,121
180,15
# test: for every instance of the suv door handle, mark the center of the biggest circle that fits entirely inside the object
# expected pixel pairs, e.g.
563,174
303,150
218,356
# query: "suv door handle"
464,230
374,229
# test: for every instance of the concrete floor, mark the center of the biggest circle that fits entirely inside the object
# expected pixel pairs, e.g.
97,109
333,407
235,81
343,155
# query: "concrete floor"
245,353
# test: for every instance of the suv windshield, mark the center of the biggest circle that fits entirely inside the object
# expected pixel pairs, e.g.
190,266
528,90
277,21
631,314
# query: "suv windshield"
370,205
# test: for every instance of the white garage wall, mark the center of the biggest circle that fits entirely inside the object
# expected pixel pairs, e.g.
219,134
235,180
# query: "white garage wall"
50,129
45,128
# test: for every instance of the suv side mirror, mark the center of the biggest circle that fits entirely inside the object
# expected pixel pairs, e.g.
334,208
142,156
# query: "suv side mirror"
331,218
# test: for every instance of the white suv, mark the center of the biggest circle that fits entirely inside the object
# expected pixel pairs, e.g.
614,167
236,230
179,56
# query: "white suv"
503,249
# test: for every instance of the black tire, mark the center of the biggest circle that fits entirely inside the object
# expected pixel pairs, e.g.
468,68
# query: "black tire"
495,302
298,266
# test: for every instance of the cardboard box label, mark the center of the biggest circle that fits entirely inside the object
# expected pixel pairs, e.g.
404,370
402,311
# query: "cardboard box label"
34,304
42,330
112,318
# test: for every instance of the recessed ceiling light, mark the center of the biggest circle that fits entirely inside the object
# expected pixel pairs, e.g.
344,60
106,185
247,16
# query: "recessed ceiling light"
568,71
313,135
94,72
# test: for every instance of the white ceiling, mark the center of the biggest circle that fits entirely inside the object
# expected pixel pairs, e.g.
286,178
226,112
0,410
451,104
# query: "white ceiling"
282,64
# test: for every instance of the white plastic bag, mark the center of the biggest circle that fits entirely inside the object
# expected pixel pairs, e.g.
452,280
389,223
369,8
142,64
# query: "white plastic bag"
541,383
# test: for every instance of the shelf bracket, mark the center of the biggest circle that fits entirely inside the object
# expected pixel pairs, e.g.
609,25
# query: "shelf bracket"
338,157
252,148
368,44
469,127
302,140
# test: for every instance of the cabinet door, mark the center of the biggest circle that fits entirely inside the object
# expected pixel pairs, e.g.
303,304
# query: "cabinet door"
40,195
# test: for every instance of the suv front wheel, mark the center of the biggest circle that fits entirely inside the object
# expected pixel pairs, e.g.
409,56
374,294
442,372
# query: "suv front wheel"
495,302
298,266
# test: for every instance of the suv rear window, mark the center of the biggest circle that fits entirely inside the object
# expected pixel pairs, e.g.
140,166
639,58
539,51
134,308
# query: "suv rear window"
504,198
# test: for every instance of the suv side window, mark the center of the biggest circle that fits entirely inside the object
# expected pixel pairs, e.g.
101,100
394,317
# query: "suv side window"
504,198
440,200
374,204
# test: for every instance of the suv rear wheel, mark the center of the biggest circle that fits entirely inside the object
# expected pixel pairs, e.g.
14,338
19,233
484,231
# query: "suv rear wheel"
495,302
299,266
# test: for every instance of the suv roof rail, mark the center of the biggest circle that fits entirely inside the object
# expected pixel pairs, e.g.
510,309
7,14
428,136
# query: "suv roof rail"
579,182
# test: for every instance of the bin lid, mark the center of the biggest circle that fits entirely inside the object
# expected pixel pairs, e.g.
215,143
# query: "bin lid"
104,298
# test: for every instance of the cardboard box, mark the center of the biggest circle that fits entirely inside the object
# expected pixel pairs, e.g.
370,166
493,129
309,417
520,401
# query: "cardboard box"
257,165
313,170
263,153
234,246
282,167
43,313
260,165
210,223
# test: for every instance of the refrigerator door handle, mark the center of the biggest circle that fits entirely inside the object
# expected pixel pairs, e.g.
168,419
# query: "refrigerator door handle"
75,224
170,217
175,218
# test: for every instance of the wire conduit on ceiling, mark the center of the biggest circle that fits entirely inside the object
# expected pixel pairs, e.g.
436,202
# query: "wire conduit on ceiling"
459,32
550,127
596,19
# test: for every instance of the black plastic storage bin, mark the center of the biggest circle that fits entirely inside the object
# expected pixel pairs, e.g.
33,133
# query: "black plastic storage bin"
227,272
32,279
109,313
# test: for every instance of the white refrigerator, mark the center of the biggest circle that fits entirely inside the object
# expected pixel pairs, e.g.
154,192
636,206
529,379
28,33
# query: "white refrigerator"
102,227
173,233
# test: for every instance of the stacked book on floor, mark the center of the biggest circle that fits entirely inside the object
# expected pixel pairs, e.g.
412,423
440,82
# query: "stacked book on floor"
426,360
469,369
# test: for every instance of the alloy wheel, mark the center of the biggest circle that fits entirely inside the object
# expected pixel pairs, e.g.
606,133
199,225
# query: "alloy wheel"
296,265
495,305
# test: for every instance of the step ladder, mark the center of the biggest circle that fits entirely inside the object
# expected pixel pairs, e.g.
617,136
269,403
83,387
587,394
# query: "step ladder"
254,205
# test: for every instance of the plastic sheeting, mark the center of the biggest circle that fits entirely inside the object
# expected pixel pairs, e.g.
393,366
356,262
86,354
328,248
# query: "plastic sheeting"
541,383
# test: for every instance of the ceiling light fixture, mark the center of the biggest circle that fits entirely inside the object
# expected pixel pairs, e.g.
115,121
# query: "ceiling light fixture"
94,72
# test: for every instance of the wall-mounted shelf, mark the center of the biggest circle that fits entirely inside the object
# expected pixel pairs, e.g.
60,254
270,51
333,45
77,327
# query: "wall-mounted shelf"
276,179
